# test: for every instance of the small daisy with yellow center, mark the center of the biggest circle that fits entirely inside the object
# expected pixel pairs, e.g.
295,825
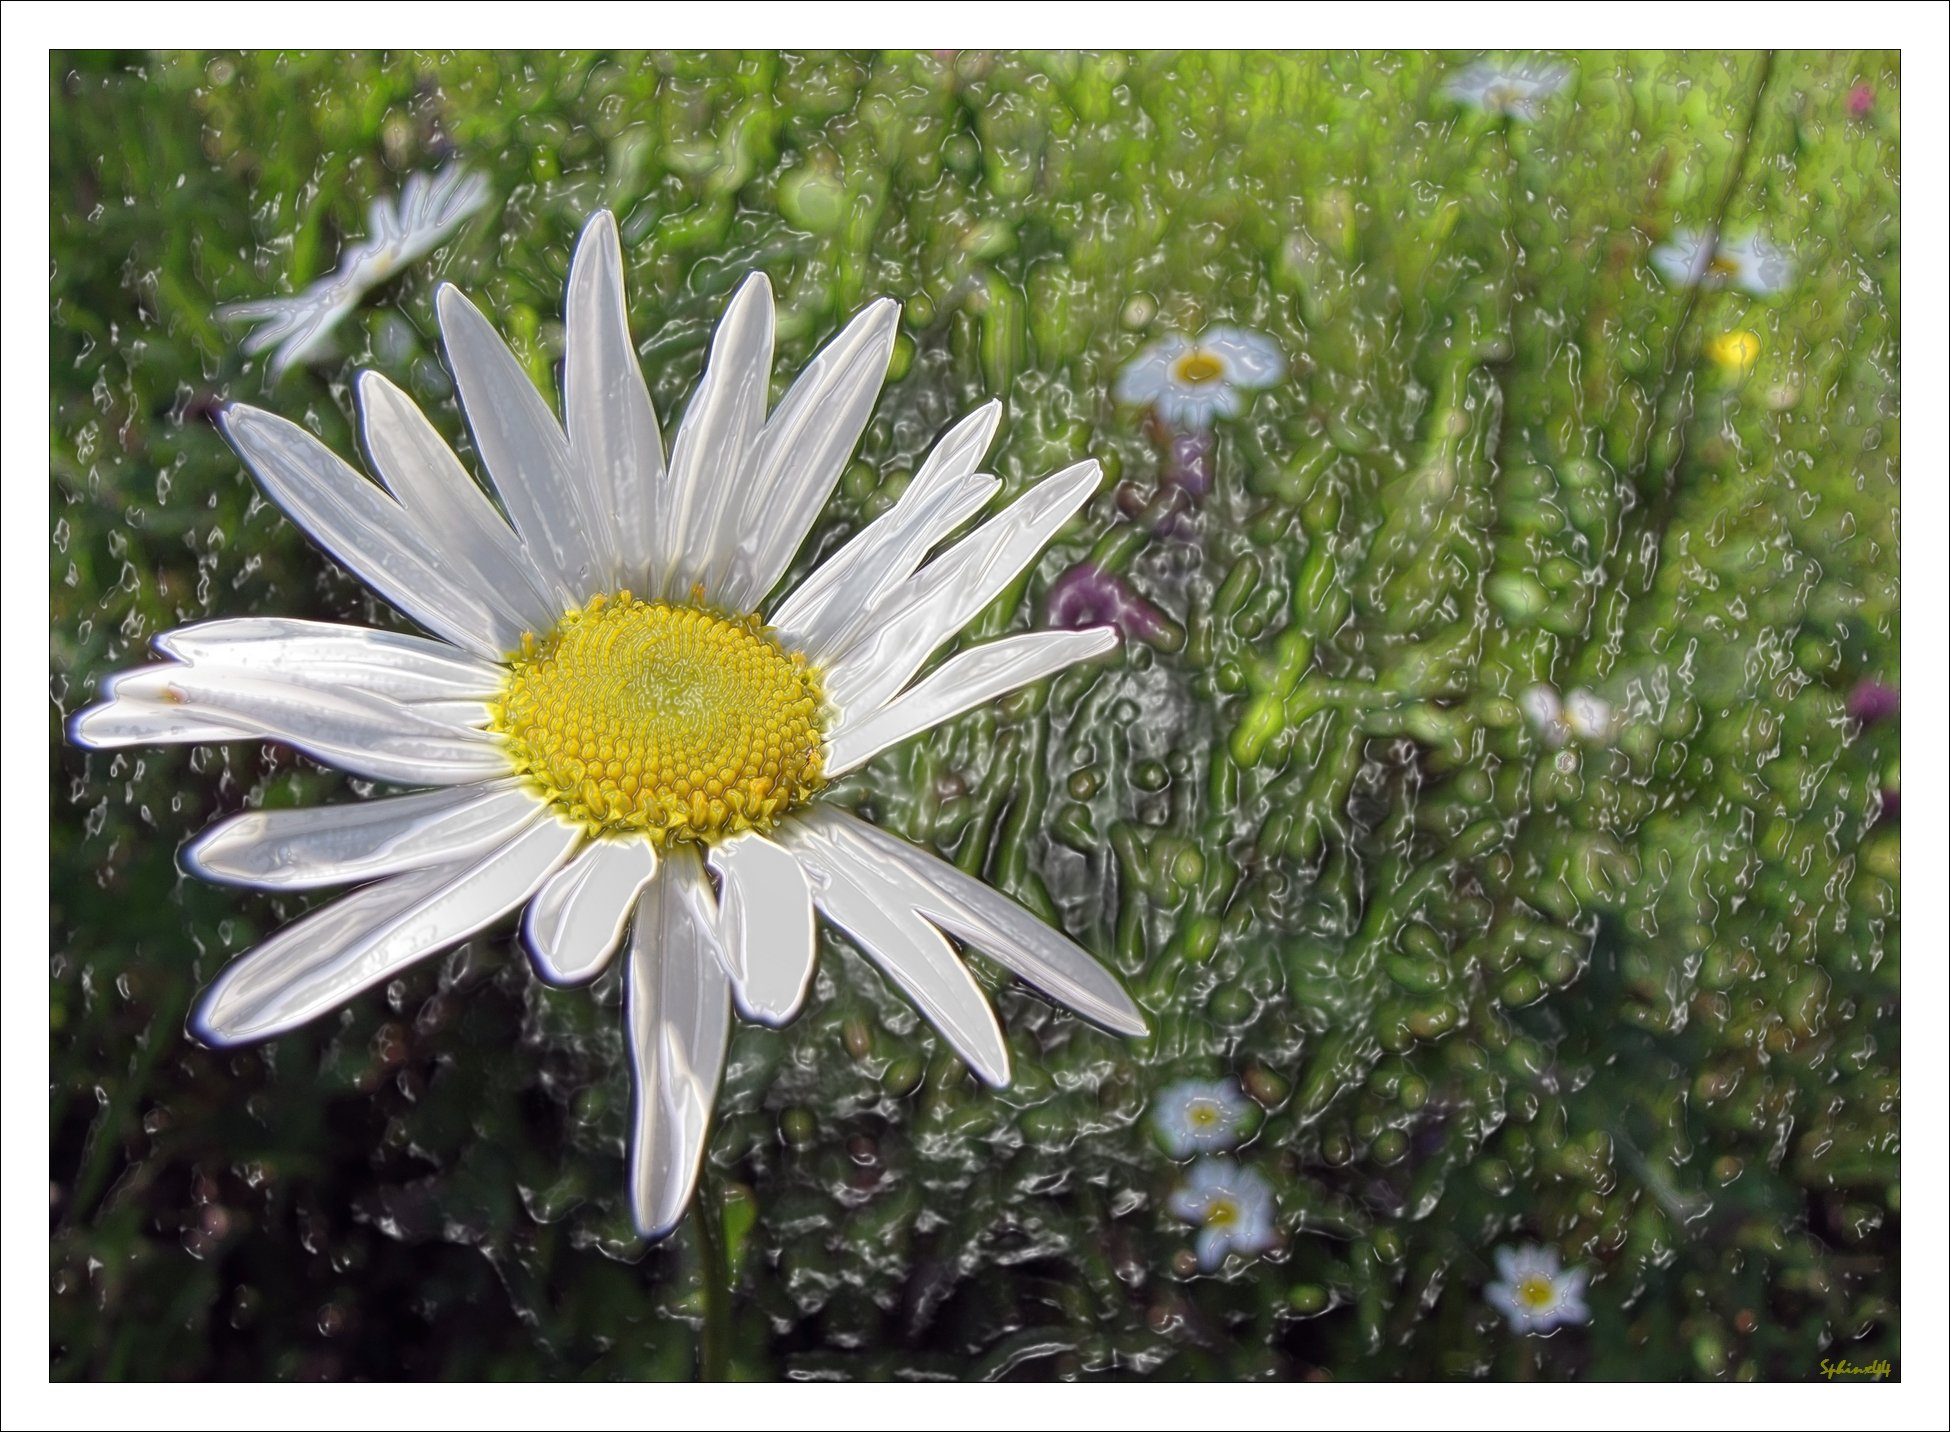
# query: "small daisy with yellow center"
1233,1206
614,728
1190,381
1534,1293
1200,1116
1751,263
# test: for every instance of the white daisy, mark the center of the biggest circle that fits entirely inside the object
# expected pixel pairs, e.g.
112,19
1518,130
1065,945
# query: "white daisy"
1590,717
600,715
1752,264
1534,1293
1511,89
1196,1116
428,211
1190,381
1234,1204
1544,710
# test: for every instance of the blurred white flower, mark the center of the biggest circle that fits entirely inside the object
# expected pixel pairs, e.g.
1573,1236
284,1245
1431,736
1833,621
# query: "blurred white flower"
1511,89
1190,381
1753,264
1590,717
1534,1293
1545,713
1234,1204
429,210
1200,1116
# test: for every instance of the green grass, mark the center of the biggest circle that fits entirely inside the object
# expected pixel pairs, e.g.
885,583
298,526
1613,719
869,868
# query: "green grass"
1639,1001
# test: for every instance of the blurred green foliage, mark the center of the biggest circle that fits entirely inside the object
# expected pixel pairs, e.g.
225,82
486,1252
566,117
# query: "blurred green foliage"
1638,999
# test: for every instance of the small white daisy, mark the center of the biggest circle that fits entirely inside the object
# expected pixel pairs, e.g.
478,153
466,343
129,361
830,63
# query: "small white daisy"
1200,1116
603,720
1545,712
1534,1293
1752,264
1234,1204
428,211
1190,381
1513,89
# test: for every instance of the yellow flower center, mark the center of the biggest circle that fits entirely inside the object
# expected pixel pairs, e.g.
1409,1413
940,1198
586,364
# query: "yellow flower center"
1222,1213
1199,366
1735,350
1720,266
1536,1292
1203,1114
663,719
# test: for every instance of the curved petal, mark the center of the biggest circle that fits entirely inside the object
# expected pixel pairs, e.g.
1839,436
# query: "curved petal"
677,1014
802,452
367,735
359,525
416,464
385,663
115,722
854,895
941,598
766,923
711,458
1252,359
964,681
825,611
525,452
1144,377
984,917
613,432
576,922
361,840
319,962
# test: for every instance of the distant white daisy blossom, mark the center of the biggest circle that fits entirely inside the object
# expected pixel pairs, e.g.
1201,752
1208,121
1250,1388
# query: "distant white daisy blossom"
1190,381
1513,89
1753,264
1545,711
1197,1116
1233,1203
600,717
1590,717
428,211
1534,1293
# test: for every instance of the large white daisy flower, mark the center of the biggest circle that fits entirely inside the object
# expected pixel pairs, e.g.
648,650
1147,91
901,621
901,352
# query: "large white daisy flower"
427,212
602,720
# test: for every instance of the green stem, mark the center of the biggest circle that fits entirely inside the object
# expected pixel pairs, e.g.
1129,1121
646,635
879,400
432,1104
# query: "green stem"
714,1342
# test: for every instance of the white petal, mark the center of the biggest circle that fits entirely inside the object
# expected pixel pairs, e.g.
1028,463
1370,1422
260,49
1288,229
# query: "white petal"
1252,359
711,458
1144,377
802,452
575,924
941,598
827,609
118,722
855,895
322,960
365,529
416,464
964,681
766,922
985,918
525,451
361,840
385,663
366,735
677,1010
613,432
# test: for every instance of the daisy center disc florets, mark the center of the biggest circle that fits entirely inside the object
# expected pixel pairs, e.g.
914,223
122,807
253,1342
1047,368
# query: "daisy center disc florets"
1199,366
664,719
